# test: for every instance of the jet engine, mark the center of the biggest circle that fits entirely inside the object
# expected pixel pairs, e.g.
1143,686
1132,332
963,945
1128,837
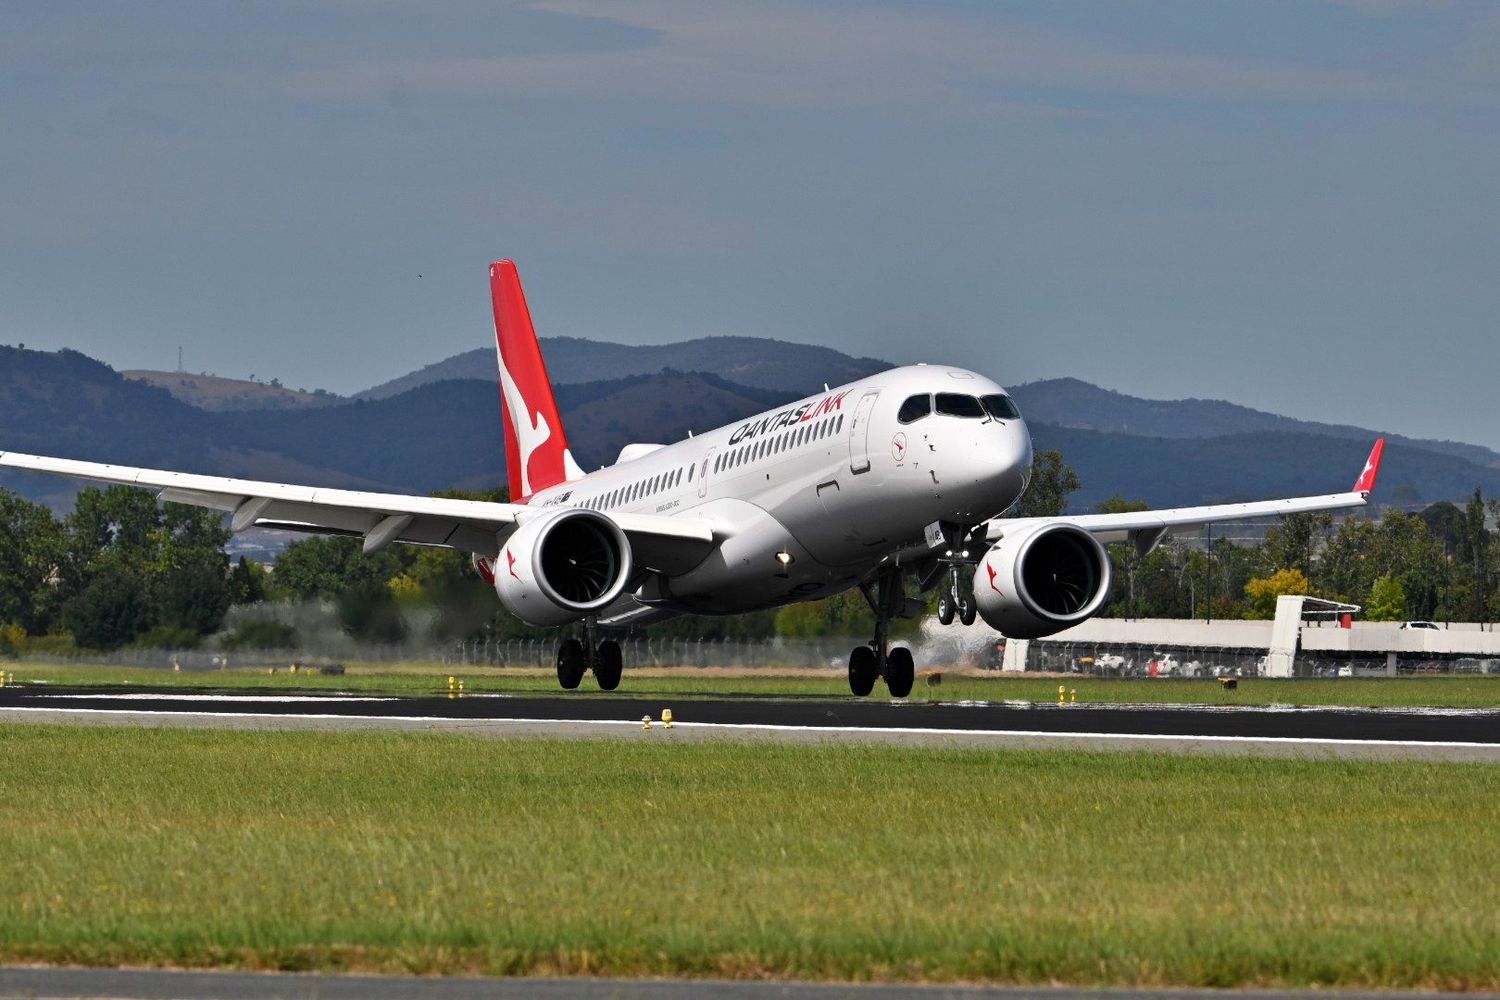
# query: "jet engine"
561,566
1041,580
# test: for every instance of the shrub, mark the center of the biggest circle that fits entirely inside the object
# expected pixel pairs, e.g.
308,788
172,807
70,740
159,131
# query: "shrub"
12,640
260,633
58,644
167,637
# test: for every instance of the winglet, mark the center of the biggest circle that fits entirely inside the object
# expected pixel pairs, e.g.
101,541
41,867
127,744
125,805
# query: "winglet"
1366,482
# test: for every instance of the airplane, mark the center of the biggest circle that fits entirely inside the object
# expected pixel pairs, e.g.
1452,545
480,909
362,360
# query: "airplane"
899,479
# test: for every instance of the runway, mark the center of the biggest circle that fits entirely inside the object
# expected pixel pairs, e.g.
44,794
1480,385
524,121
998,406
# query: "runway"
1448,734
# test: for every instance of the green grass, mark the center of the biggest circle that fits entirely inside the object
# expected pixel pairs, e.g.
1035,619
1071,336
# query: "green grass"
431,679
425,853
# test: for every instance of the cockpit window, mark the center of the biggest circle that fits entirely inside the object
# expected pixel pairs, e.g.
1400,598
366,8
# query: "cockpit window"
1002,407
955,405
915,408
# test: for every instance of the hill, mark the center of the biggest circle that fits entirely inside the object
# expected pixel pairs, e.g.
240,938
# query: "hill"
1073,403
69,405
215,394
448,434
797,369
1254,466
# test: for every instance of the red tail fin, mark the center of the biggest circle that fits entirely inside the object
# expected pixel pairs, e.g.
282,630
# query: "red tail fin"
536,449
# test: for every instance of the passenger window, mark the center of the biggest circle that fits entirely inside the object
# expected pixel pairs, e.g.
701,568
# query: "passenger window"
1001,407
838,424
690,472
914,409
955,405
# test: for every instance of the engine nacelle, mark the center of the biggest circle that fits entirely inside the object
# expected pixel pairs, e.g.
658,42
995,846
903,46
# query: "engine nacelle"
561,566
1036,582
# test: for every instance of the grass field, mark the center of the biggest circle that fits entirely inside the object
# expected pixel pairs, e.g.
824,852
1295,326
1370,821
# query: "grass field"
415,679
424,853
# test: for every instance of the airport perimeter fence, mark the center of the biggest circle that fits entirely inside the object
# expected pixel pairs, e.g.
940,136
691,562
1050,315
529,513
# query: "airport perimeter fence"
831,653
665,653
537,653
1123,660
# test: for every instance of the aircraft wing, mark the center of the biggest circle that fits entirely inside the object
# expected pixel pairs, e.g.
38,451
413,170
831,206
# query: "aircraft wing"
1147,527
476,526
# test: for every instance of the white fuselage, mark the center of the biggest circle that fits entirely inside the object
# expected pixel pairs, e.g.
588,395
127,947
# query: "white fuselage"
837,482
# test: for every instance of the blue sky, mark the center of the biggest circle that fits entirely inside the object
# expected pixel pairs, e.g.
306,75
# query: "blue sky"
1292,205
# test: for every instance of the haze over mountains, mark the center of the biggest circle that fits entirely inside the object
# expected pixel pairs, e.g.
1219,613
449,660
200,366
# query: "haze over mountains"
439,427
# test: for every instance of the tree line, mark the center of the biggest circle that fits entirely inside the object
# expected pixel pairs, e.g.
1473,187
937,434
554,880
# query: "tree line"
122,569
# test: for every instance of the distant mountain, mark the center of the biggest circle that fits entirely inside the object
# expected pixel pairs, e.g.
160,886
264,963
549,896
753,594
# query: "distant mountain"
1254,466
448,434
1072,403
69,405
215,394
749,361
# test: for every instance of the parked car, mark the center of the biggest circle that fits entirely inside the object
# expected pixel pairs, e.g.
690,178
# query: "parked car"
1431,625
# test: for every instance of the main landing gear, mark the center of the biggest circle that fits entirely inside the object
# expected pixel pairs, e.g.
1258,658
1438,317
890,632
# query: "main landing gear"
887,598
575,658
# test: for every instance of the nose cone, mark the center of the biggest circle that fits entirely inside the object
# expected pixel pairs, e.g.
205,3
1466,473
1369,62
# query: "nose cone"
997,467
1012,460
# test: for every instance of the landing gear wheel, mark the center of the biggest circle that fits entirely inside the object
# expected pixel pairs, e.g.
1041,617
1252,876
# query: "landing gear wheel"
609,663
945,608
863,669
899,672
968,609
571,663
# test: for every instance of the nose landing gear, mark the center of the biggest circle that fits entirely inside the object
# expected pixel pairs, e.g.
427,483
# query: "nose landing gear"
956,600
887,599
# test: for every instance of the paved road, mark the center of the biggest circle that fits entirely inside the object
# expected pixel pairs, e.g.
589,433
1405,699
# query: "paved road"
133,984
1442,734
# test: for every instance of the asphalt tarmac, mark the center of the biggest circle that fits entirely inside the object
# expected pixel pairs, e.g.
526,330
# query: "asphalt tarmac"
1449,734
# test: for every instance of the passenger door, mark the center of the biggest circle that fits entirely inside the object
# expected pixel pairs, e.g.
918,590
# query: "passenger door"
708,461
859,433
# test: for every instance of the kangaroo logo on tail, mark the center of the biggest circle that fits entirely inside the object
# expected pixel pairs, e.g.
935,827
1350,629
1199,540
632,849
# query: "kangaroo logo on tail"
536,449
